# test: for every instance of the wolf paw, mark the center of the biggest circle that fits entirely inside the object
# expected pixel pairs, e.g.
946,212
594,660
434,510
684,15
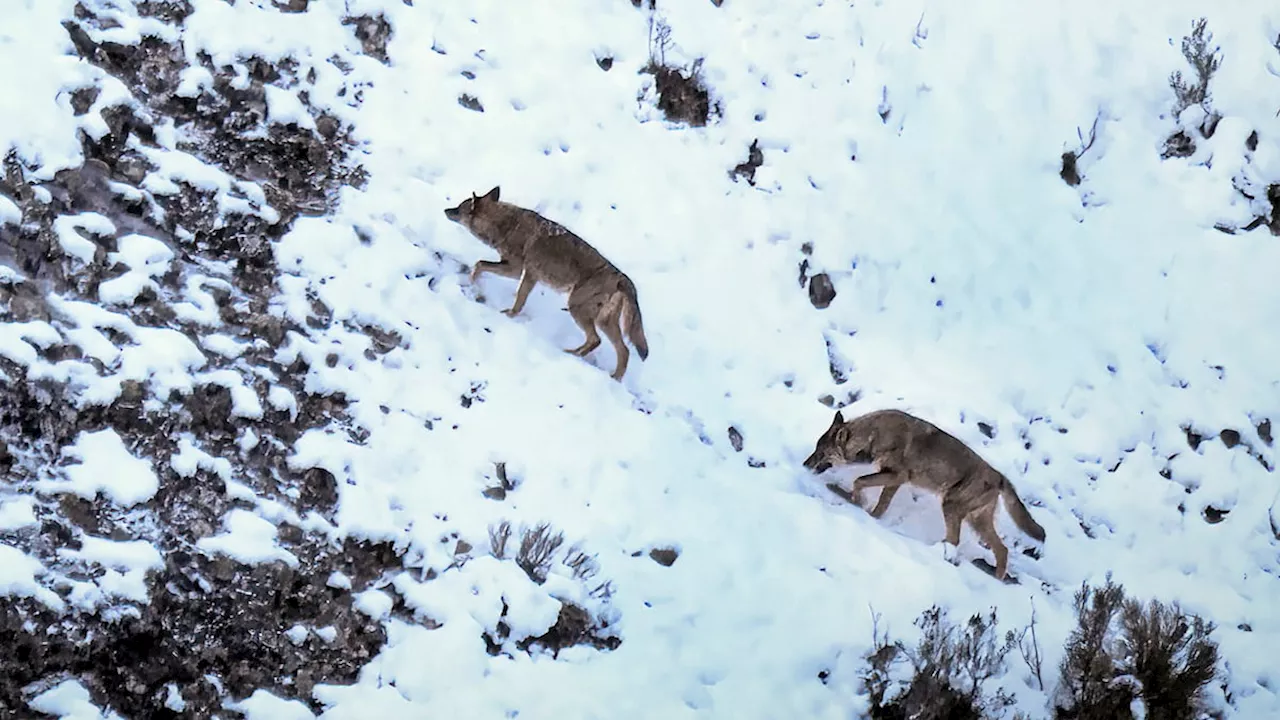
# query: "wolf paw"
951,554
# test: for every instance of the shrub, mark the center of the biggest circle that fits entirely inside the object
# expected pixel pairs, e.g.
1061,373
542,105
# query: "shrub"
682,92
538,550
1122,650
1204,61
950,666
1070,172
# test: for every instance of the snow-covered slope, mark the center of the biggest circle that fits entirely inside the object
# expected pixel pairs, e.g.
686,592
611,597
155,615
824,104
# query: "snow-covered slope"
911,152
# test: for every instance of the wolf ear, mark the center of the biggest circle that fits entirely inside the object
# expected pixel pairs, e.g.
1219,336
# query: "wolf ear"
838,419
492,194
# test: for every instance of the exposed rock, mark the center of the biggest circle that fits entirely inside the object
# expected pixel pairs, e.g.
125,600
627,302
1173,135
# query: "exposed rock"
213,627
665,557
821,291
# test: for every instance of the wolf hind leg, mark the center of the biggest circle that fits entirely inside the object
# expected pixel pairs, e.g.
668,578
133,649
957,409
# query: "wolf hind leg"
583,308
611,323
983,522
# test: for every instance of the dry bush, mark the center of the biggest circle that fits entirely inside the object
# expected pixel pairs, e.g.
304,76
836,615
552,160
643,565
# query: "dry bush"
1122,650
683,95
1204,60
950,666
538,550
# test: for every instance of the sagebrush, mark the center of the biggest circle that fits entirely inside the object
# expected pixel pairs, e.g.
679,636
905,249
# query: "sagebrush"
1123,650
950,667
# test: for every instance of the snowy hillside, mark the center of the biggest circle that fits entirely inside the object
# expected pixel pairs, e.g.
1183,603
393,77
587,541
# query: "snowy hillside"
259,433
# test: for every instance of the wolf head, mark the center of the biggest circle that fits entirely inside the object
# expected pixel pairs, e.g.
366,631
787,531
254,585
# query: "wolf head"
839,445
466,212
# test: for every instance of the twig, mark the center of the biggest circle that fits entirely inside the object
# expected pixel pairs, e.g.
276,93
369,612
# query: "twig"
1031,651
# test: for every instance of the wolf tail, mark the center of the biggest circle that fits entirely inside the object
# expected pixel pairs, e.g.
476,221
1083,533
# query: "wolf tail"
1018,511
631,321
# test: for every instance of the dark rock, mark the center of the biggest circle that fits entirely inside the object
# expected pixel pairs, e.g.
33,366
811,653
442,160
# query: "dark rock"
1178,145
83,98
735,439
1193,438
319,490
747,169
1229,437
665,557
574,626
821,291
373,32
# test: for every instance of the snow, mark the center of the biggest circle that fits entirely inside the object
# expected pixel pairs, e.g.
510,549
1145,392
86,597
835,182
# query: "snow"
18,573
223,345
125,554
105,466
33,115
18,341
374,603
125,564
284,108
173,698
281,399
10,214
262,705
190,458
1087,325
248,538
244,401
145,258
17,513
75,244
70,700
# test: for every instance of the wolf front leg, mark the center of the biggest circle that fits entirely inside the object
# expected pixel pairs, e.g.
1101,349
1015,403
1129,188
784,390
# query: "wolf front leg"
888,480
527,281
505,268
953,514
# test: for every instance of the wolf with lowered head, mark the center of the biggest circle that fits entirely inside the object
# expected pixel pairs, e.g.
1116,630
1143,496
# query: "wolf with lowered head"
535,249
909,450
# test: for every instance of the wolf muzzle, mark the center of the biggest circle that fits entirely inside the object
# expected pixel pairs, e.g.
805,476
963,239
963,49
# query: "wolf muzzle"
816,464
452,214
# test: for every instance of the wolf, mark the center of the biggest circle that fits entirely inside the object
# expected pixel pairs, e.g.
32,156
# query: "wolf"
909,450
536,249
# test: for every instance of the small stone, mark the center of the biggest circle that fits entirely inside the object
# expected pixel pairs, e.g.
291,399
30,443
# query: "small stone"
821,291
735,439
665,557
